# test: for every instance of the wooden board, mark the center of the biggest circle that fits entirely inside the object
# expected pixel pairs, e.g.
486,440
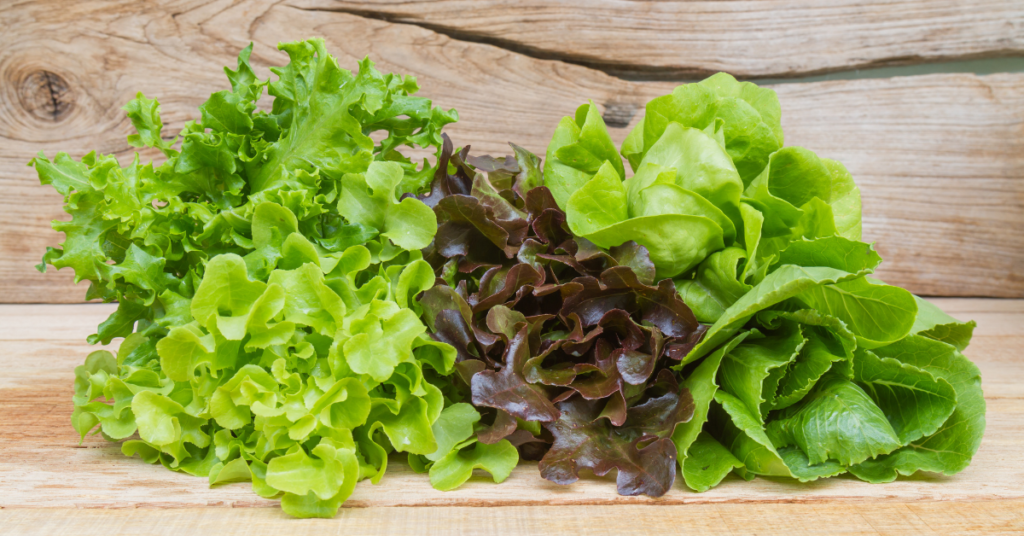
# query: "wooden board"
940,158
51,484
751,39
788,519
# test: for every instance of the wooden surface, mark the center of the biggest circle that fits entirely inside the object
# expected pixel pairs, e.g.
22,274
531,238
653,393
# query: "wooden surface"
939,158
48,483
788,519
763,38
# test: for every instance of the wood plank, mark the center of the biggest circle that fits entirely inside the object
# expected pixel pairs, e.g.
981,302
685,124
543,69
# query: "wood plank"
847,518
44,466
939,158
751,39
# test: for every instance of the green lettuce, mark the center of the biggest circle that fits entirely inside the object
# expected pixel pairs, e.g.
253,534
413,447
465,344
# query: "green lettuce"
809,367
266,275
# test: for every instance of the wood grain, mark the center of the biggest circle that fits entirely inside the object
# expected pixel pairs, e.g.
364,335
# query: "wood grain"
43,465
939,158
847,518
752,39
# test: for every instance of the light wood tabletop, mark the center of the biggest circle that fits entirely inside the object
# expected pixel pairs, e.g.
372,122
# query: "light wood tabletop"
50,484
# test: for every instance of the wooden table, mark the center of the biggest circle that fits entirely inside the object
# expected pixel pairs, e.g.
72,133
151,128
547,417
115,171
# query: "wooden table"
939,159
50,484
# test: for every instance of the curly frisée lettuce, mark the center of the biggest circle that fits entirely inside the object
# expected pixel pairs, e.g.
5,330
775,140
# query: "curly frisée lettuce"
298,301
266,275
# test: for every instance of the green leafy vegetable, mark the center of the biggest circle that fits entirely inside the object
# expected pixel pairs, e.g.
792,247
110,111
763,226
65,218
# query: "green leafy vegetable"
808,368
298,302
265,273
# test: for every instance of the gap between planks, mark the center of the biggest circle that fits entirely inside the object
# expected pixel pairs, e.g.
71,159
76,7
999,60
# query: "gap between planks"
645,40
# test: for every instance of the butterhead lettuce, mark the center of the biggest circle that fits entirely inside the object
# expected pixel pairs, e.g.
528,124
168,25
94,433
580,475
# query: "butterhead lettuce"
809,368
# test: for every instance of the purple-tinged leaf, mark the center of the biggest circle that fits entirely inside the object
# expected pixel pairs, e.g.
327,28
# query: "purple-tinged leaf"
504,321
466,369
470,212
503,425
500,210
440,298
634,366
451,328
529,176
599,378
636,258
507,390
583,441
445,184
498,287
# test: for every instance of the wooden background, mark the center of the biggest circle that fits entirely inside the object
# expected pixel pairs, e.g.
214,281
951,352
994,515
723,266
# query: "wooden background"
939,159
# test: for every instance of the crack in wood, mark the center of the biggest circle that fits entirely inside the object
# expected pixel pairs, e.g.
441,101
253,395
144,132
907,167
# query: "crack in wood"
615,70
635,72
51,82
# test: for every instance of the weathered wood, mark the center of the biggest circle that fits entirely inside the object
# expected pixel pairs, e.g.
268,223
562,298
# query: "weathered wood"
765,38
43,465
847,518
940,159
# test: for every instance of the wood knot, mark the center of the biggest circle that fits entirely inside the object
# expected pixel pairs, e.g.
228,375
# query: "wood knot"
46,95
618,114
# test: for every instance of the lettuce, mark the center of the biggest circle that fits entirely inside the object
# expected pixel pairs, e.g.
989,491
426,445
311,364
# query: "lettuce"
808,367
266,275
565,348
298,301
